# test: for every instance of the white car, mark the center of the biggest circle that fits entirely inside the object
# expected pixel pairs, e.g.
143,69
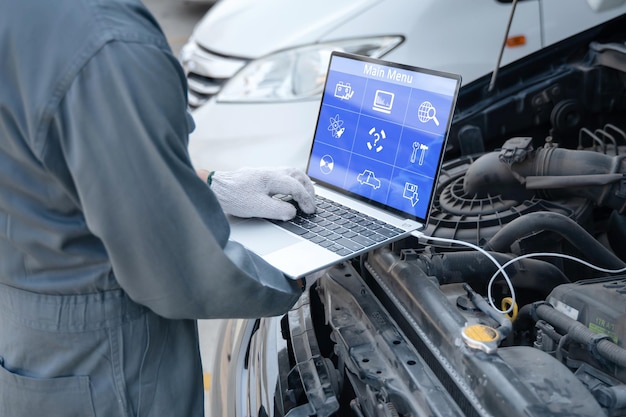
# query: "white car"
256,68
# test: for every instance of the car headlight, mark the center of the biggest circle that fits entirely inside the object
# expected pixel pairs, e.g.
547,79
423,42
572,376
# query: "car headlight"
296,74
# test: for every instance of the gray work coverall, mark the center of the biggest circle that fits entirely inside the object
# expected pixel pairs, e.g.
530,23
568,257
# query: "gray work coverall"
110,245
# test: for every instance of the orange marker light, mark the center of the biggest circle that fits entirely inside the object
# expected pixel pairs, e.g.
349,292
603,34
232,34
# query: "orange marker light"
514,41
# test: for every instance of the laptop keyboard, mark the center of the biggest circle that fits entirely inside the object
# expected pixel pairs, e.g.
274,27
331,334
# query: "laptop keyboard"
338,228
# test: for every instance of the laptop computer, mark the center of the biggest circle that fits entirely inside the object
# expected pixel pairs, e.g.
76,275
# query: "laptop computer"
377,151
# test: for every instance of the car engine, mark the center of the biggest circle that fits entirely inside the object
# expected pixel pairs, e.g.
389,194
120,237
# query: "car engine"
513,301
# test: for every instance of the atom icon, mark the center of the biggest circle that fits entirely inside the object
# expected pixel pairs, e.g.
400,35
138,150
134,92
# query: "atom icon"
336,126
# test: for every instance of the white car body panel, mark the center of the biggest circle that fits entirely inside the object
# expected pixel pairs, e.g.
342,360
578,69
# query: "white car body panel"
458,36
229,137
253,28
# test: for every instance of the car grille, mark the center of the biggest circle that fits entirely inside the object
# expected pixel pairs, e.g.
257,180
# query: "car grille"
207,72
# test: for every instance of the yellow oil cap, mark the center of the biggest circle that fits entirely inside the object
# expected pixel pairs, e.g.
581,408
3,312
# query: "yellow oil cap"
482,337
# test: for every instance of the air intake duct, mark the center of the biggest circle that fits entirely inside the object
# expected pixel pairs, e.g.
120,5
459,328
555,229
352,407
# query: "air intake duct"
519,172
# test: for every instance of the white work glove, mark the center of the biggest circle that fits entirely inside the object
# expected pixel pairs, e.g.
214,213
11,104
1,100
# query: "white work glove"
248,192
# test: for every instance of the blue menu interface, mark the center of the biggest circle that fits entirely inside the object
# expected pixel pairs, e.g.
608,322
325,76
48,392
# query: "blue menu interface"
381,132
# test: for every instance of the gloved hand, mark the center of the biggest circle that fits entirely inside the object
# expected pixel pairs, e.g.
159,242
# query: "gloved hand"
248,192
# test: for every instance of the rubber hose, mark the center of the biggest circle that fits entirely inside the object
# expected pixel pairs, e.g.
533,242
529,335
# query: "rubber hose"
555,222
475,268
580,333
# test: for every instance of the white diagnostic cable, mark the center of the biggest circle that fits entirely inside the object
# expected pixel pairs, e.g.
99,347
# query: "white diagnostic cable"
491,258
511,261
557,255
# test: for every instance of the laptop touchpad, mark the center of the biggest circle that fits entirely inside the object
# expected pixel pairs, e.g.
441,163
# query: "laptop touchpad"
261,236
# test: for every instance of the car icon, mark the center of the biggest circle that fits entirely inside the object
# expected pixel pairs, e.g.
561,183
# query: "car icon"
367,177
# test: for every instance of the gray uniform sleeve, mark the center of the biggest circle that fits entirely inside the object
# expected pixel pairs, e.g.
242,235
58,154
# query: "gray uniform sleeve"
123,131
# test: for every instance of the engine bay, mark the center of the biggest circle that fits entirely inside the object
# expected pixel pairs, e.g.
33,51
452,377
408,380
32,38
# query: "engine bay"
513,300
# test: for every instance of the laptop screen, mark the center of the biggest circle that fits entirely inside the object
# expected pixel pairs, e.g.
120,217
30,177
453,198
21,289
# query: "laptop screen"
381,132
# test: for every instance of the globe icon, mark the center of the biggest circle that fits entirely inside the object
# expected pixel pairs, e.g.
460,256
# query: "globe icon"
427,112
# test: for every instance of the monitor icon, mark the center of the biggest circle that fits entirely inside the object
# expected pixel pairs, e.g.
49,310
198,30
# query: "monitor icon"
383,101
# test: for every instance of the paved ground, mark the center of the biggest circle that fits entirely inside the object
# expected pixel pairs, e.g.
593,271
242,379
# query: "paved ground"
177,19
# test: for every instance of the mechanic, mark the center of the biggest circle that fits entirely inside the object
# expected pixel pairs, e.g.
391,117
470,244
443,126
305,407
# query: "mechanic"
111,243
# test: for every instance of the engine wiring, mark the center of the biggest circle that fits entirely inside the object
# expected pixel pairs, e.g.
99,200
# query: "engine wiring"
501,267
550,254
491,258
